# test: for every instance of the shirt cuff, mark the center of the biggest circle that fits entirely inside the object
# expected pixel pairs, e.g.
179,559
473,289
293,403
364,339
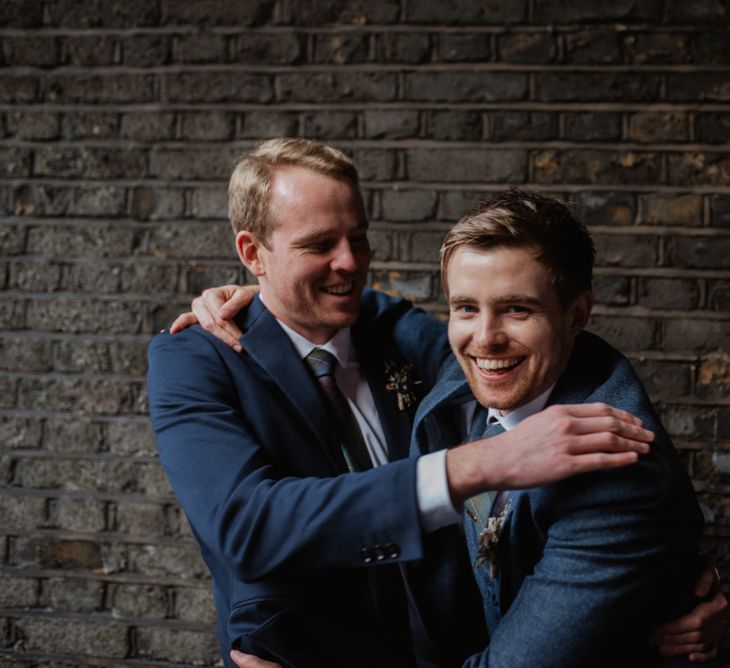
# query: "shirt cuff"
432,492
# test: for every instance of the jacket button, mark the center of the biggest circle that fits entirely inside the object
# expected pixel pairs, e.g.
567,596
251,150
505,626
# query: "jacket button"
392,551
366,554
379,553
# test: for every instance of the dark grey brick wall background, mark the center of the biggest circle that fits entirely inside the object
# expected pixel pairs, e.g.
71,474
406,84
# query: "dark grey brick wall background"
119,123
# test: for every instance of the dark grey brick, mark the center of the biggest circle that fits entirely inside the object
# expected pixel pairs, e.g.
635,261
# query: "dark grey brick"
96,88
720,208
605,11
12,239
330,125
692,422
668,293
142,50
88,241
593,47
527,47
157,203
341,48
79,515
210,203
90,125
218,87
663,379
718,295
424,246
130,357
465,86
35,51
592,126
192,647
165,560
336,87
68,635
89,50
102,13
416,286
396,47
710,48
21,15
699,252
149,278
33,125
215,12
19,513
18,89
200,47
454,125
625,250
698,87
20,433
713,127
193,163
25,354
103,396
81,355
656,48
72,435
14,162
130,438
35,275
455,203
207,126
264,124
703,11
691,335
464,47
473,165
358,12
194,605
391,124
18,592
612,290
464,12
90,316
375,164
199,240
596,87
100,201
91,277
408,205
148,126
74,594
529,126
135,601
269,48
626,334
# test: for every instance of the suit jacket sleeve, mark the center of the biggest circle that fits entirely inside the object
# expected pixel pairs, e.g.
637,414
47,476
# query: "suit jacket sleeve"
244,507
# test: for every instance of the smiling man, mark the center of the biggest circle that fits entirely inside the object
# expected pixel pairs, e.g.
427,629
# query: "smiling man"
327,545
572,573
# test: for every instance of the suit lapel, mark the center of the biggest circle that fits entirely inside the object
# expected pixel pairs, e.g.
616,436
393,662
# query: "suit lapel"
269,346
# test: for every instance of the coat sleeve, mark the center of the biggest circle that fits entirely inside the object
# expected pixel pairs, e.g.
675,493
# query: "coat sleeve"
243,508
619,554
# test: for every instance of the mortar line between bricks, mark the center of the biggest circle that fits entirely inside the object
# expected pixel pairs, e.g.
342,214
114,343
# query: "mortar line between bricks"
334,28
407,144
303,106
475,186
260,70
94,661
55,455
115,578
104,536
97,617
79,495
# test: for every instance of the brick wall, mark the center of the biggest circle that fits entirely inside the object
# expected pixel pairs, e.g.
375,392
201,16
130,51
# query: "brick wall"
119,122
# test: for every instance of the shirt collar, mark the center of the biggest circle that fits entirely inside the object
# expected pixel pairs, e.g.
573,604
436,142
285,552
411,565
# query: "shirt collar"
339,345
514,417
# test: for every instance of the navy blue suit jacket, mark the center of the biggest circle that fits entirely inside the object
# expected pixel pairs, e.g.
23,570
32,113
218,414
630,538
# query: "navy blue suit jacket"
585,565
250,452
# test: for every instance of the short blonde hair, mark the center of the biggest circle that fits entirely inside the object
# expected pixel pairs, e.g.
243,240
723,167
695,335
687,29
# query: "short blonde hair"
249,190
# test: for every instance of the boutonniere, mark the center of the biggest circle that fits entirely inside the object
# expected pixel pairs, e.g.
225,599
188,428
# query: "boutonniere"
489,540
401,381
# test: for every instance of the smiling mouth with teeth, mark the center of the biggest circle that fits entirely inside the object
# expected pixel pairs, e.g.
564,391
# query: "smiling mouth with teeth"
343,289
497,366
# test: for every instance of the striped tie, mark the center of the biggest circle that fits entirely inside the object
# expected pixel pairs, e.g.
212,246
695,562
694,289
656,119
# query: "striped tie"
352,442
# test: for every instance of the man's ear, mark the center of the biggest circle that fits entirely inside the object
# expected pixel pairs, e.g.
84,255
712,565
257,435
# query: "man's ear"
580,312
249,251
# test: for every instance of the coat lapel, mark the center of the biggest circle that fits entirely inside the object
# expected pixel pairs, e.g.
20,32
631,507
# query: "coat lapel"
269,346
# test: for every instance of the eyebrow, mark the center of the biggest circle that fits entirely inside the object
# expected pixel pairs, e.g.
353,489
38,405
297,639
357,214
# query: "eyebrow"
503,299
322,235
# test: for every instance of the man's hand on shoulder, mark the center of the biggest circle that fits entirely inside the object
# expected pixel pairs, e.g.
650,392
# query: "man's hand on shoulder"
215,310
556,443
250,661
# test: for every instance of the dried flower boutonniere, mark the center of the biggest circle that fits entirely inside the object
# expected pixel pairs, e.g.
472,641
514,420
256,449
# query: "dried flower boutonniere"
489,540
401,381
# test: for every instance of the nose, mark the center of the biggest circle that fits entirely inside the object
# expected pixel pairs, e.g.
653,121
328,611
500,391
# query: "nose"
344,259
490,334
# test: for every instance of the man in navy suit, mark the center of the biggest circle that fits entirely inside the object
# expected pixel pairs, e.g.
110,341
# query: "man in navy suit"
571,573
307,551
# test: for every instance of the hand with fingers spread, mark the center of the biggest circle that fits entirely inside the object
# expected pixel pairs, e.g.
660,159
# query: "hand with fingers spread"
697,633
556,443
215,310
